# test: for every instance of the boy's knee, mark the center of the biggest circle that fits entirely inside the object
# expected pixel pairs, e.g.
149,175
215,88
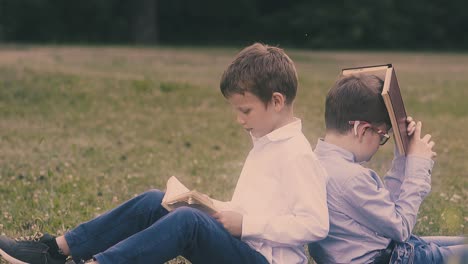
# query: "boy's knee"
152,197
187,212
189,216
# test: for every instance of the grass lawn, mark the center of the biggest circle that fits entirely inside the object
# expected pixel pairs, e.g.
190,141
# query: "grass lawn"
84,128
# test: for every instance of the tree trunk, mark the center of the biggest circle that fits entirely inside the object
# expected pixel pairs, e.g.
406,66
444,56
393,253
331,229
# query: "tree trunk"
145,22
2,15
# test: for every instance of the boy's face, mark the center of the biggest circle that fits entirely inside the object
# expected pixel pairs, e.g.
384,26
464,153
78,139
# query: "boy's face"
371,142
253,115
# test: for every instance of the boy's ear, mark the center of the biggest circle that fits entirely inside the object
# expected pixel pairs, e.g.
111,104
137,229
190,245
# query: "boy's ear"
361,130
278,100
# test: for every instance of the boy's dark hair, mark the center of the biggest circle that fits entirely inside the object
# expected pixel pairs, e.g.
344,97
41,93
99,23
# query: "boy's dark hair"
261,70
355,97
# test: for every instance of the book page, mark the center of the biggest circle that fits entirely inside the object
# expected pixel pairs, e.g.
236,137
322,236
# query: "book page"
177,195
174,188
378,70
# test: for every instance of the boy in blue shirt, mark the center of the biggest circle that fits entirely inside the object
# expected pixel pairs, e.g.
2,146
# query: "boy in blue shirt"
279,203
369,217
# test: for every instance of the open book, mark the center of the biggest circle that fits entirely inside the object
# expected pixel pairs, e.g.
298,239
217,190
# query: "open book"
178,195
392,97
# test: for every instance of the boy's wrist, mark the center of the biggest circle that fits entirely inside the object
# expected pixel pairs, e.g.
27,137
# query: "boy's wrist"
250,227
418,166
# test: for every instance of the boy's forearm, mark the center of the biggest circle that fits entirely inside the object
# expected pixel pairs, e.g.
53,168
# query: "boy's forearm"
306,221
286,229
395,176
377,210
414,189
220,205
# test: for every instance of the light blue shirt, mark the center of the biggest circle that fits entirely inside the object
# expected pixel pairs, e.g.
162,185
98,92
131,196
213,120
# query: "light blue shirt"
366,213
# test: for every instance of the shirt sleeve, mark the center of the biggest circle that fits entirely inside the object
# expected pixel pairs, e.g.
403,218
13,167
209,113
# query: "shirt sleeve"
305,182
373,207
395,176
222,206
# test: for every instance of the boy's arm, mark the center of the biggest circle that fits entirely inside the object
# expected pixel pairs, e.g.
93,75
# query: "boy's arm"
375,209
221,206
395,176
307,218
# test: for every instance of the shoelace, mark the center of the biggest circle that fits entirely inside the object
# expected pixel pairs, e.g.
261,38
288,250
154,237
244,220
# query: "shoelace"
36,237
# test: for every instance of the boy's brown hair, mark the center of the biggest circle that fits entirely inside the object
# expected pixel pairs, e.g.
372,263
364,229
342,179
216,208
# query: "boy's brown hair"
261,70
355,97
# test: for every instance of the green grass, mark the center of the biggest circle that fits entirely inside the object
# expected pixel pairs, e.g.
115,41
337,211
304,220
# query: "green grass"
83,129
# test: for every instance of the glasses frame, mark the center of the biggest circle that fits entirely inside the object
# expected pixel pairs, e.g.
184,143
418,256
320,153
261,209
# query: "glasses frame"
384,136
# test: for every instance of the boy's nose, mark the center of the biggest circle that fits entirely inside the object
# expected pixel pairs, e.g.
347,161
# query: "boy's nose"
240,120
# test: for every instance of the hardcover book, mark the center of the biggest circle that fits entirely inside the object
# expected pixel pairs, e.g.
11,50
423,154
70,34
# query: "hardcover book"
177,195
393,100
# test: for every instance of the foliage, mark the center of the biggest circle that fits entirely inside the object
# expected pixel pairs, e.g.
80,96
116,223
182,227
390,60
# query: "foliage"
386,24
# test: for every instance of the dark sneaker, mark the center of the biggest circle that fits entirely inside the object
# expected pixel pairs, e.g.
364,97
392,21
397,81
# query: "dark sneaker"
29,250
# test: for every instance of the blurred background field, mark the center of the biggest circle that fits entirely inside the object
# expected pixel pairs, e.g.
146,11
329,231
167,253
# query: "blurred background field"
83,129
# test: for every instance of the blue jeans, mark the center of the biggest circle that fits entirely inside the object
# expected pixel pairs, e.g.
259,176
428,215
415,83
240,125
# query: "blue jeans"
434,249
142,231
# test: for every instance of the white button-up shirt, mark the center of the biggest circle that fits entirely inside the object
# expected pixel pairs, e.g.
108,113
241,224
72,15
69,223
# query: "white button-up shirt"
281,194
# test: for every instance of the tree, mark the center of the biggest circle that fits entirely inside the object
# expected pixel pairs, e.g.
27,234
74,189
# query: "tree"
145,23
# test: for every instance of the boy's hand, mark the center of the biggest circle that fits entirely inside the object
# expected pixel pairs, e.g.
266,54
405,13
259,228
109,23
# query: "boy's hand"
232,221
207,198
411,127
421,147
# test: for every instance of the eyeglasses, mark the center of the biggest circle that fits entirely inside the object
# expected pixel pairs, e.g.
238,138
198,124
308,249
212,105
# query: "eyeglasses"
383,136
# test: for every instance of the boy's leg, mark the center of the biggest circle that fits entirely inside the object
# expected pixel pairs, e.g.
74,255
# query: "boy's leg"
92,237
115,225
187,232
429,249
446,248
446,241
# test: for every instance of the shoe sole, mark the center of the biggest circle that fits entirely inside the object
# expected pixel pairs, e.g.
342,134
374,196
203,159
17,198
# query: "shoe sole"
10,259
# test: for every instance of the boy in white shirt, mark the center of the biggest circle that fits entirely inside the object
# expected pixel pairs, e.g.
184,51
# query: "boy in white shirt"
279,203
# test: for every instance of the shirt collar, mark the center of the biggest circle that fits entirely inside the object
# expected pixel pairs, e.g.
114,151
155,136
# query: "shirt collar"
282,133
325,149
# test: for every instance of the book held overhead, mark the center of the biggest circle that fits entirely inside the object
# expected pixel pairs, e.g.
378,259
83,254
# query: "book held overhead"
392,97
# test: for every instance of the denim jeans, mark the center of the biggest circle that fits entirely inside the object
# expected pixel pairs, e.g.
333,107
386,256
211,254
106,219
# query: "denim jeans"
142,231
427,250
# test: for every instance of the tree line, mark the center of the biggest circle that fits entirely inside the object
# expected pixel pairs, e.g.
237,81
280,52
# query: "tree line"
366,24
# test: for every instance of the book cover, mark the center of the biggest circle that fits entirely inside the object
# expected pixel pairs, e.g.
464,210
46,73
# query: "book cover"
392,98
394,102
177,195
